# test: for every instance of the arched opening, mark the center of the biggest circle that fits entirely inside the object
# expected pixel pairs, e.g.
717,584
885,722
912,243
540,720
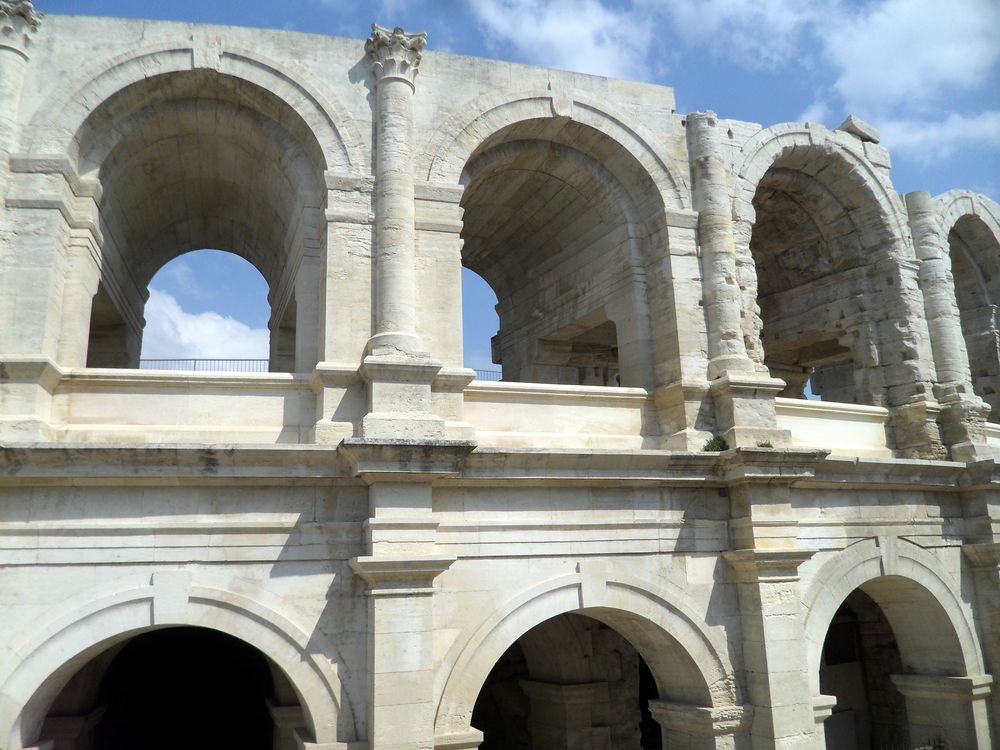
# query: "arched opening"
198,160
558,219
570,682
175,687
894,663
860,655
208,310
817,235
480,325
975,264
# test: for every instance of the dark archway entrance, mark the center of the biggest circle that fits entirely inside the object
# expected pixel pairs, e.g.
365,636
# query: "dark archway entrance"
570,682
181,687
859,656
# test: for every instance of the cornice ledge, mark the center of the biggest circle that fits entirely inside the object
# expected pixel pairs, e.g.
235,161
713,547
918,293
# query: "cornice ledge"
593,466
770,465
767,565
884,473
401,575
980,475
982,555
404,460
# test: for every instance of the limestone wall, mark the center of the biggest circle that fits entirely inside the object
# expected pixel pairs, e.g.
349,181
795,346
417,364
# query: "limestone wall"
417,557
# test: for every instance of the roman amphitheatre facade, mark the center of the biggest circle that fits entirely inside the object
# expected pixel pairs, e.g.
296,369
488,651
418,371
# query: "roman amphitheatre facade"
643,536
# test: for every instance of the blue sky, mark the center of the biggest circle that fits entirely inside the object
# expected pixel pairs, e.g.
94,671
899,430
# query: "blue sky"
925,72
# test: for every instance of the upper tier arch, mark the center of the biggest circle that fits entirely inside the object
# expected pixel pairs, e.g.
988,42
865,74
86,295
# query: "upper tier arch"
57,123
449,148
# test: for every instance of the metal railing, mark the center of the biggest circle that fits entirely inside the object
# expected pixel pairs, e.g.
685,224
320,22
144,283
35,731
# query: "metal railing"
494,375
205,365
248,365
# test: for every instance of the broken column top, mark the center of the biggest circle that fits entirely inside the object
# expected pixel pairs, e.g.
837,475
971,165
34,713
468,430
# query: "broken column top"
859,129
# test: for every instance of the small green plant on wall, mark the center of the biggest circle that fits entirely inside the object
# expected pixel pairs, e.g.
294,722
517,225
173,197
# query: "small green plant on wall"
716,443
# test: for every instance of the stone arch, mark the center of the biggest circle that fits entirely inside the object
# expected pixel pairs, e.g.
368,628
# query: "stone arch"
825,262
678,648
565,212
54,127
770,144
51,652
940,637
159,112
955,204
450,147
971,227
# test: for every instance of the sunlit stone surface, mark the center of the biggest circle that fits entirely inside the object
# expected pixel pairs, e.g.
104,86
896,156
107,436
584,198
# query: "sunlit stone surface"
643,536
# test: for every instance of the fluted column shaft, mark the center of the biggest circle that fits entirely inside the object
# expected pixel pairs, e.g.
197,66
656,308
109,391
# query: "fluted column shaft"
726,348
395,56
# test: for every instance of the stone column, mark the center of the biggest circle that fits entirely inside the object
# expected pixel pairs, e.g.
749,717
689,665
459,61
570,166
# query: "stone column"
395,57
743,396
701,728
18,23
774,646
399,374
712,201
952,709
963,413
399,570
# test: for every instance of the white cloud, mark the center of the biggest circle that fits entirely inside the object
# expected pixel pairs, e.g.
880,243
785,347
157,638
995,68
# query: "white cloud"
931,141
755,33
909,53
173,333
819,111
579,35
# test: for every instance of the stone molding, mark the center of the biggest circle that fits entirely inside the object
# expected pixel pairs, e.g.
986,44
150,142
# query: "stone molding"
767,565
944,688
823,706
395,53
986,555
412,575
404,460
470,740
700,720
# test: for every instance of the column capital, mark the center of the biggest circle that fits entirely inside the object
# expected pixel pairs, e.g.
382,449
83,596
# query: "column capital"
18,21
395,53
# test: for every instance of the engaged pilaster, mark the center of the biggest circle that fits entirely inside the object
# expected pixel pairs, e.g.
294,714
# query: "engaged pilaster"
743,396
774,647
399,569
963,414
984,560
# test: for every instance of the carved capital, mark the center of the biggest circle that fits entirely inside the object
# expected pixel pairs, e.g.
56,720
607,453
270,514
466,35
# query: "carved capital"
18,21
395,53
